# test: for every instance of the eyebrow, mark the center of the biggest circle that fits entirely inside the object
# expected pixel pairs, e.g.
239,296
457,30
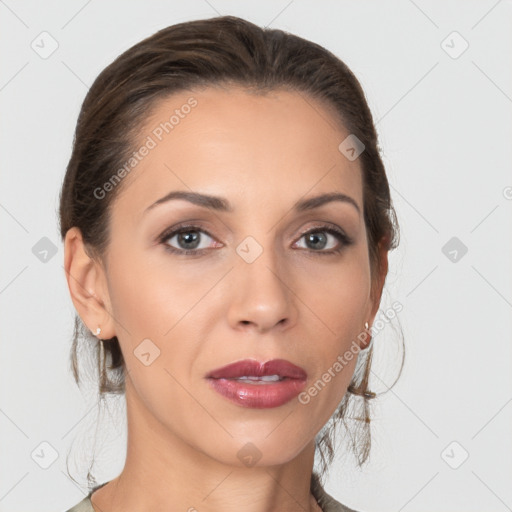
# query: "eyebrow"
223,205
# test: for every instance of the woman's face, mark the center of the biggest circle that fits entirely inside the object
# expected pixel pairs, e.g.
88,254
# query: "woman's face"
253,286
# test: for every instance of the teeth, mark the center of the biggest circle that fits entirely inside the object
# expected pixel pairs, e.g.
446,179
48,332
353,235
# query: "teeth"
265,378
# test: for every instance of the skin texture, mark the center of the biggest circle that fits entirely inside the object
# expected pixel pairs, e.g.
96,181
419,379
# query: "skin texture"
295,301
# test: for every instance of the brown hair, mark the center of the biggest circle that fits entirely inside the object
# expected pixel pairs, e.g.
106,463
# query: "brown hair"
219,51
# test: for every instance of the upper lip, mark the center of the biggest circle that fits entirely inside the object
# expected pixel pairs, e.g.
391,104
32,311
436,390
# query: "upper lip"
251,367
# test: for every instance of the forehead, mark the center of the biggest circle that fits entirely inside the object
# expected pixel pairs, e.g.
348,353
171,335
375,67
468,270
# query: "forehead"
275,148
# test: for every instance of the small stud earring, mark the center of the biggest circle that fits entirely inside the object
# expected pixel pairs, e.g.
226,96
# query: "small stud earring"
98,330
366,325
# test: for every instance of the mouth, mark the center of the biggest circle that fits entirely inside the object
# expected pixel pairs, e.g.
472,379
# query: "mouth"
256,380
249,383
250,370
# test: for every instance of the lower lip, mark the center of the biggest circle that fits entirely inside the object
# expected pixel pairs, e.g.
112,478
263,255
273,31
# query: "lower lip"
261,395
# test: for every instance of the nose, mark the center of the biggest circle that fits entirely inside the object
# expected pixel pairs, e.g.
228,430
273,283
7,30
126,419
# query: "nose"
263,297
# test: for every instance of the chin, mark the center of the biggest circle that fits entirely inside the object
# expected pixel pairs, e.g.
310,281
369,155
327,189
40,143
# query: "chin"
257,452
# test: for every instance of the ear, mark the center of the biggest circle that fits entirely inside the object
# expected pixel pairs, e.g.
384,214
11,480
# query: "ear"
380,279
377,286
87,285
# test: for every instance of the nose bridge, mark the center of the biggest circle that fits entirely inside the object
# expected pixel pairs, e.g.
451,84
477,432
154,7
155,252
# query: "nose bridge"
262,295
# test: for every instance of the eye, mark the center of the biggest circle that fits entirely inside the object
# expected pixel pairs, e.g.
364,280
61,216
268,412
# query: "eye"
318,239
188,239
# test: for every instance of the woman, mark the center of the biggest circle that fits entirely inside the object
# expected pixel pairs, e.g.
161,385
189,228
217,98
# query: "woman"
226,220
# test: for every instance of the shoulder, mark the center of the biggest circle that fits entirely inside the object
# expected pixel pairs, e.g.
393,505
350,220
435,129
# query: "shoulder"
84,506
328,503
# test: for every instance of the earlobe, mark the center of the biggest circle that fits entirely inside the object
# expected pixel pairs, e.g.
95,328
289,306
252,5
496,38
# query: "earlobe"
86,284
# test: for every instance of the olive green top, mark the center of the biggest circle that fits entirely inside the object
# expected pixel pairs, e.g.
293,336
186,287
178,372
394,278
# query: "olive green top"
326,501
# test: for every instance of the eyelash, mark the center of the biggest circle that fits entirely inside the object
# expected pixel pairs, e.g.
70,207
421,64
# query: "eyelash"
185,228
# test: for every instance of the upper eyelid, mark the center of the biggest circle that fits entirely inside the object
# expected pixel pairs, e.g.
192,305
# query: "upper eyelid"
198,227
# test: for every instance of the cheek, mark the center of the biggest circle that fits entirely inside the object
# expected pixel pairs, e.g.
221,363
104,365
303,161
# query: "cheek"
338,303
338,294
149,297
160,313
154,313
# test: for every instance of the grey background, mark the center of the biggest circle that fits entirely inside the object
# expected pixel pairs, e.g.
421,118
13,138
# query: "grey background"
444,122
